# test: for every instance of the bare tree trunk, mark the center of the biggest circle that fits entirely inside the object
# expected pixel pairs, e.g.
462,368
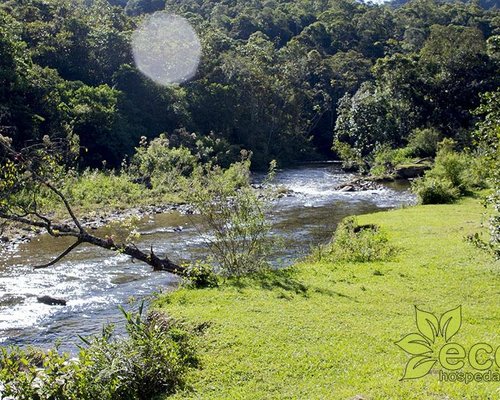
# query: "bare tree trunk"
32,216
158,264
82,236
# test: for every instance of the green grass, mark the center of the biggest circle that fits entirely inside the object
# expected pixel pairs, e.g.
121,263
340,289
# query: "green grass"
323,330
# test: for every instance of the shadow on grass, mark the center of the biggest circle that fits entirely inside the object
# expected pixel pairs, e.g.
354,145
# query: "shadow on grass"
284,281
271,280
332,293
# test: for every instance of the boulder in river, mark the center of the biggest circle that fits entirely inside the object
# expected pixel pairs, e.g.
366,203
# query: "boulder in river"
359,185
348,188
51,301
412,171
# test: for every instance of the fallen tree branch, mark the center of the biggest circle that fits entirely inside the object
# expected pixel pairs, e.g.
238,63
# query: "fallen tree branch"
30,176
65,202
59,258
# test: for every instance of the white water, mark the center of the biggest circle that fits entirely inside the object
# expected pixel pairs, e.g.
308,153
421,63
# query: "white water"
95,282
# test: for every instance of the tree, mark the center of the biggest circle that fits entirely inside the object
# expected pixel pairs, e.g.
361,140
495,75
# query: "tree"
34,173
138,7
455,69
93,115
370,118
487,135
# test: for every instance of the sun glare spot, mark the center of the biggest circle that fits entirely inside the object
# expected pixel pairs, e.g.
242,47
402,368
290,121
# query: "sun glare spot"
166,49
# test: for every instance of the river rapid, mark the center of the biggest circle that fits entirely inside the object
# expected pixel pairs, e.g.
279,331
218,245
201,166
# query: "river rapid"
94,282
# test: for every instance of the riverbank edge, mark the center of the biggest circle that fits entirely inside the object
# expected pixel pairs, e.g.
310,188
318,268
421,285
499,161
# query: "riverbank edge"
263,334
16,234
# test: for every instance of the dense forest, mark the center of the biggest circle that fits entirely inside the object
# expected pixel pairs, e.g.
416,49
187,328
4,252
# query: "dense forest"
99,134
284,79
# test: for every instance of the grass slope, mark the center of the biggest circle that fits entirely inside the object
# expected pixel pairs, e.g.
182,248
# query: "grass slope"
327,331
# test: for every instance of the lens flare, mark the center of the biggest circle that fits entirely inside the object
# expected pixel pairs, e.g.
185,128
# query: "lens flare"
166,49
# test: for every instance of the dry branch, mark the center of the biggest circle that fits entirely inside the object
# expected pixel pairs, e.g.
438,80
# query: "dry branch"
34,218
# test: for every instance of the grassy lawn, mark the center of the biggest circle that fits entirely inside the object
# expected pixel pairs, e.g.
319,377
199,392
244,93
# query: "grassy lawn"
326,331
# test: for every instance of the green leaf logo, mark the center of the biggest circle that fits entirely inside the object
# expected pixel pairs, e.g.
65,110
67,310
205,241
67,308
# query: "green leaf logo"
414,344
427,324
450,323
418,367
419,344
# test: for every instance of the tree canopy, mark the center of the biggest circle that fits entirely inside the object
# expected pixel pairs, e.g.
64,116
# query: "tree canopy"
281,78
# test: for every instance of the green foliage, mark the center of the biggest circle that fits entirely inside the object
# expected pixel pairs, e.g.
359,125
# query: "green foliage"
435,190
157,158
451,166
437,84
94,120
152,360
270,80
201,275
424,142
478,174
387,158
26,175
232,218
357,243
369,119
351,158
163,165
453,175
487,137
104,189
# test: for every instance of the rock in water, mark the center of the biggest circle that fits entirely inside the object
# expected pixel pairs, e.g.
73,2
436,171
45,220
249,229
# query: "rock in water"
411,171
51,301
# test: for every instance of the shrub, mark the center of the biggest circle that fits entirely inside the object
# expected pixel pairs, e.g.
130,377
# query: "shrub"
164,165
487,137
386,158
200,275
451,166
431,190
478,174
494,224
357,243
232,218
351,157
424,142
453,174
95,187
152,360
34,374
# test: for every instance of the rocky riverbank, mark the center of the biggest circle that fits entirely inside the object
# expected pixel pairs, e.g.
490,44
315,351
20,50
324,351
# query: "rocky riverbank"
14,234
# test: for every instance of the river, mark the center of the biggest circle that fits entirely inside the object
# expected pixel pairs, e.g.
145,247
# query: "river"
94,282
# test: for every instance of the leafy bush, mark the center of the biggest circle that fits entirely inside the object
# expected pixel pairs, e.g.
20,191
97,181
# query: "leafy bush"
232,218
164,165
357,243
453,175
478,174
95,187
432,190
200,275
33,374
424,142
451,166
351,157
386,158
487,136
152,360
494,225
